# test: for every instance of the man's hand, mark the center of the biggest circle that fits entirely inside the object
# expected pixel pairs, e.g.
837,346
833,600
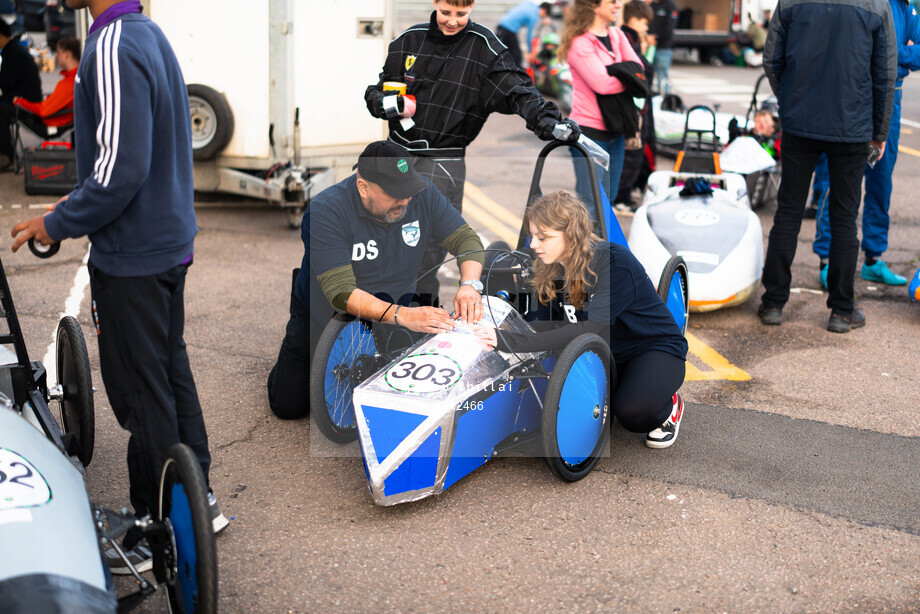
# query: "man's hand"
468,305
425,319
881,148
34,228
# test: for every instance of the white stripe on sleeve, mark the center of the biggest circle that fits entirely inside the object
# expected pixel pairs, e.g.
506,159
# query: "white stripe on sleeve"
109,92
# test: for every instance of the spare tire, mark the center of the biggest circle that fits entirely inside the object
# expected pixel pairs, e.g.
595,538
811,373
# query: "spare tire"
212,121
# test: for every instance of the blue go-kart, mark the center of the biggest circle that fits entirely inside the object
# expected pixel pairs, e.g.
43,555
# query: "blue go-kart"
429,410
52,535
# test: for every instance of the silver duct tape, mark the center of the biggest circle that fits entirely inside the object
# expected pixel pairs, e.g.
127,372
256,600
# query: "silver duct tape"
391,106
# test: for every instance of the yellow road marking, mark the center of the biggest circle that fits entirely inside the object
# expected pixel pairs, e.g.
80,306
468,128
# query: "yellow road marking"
720,368
513,221
500,221
909,150
491,223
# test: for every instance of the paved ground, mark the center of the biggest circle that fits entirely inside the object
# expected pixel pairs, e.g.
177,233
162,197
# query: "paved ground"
792,491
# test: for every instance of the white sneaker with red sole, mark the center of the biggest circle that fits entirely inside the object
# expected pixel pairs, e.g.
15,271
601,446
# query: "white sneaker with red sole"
664,435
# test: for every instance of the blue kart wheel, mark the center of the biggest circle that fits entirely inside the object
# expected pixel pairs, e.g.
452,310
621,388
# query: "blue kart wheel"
345,356
183,506
576,408
674,290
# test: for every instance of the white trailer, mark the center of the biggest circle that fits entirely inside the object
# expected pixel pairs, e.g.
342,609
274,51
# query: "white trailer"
254,66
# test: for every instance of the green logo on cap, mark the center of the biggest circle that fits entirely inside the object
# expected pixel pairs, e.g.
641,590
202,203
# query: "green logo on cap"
403,166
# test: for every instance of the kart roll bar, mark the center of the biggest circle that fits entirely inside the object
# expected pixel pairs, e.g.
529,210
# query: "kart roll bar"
700,131
535,191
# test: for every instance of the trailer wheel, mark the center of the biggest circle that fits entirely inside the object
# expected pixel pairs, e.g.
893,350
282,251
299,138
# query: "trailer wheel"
212,121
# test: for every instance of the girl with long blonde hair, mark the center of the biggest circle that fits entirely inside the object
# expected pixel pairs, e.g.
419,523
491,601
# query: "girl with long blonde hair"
585,285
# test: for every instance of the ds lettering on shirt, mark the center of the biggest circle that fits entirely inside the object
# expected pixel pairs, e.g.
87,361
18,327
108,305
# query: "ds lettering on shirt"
359,251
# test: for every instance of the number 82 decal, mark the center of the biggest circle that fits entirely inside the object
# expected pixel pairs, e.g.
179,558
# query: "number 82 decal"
423,373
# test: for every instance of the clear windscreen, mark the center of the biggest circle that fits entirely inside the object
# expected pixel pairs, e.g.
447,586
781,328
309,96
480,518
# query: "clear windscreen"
452,365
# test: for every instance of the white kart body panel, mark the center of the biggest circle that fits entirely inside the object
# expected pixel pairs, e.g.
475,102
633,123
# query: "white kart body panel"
46,523
717,235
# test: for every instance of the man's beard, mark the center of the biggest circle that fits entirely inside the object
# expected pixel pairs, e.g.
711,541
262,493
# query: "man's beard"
391,216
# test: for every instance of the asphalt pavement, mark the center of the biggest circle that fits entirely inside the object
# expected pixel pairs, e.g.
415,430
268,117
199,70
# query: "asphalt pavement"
794,490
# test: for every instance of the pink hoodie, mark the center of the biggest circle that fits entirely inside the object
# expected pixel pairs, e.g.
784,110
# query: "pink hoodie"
588,59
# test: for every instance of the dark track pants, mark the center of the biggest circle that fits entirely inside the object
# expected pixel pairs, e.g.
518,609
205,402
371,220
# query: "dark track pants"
846,162
146,372
289,379
645,387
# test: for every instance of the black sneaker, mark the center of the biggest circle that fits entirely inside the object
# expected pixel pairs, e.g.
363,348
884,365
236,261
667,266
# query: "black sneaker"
844,323
771,316
664,435
139,556
811,212
219,522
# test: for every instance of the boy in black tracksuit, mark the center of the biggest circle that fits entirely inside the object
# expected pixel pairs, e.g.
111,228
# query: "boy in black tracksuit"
456,73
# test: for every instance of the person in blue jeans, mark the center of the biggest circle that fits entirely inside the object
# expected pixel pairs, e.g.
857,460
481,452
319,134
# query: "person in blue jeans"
875,221
661,31
819,187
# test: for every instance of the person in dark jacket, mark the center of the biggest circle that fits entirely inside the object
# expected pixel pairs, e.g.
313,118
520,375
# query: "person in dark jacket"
875,220
839,108
456,74
134,199
661,33
18,78
636,17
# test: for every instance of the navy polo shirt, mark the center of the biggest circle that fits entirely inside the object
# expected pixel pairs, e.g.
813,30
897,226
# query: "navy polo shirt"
337,231
624,299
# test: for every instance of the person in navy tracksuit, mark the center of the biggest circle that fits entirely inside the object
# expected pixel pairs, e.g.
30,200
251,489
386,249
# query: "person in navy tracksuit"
875,221
134,199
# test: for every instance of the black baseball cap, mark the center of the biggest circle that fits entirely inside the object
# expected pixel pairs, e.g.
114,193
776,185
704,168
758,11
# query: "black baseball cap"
387,165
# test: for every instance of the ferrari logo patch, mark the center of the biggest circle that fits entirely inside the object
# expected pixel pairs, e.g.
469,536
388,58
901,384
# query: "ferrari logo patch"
410,60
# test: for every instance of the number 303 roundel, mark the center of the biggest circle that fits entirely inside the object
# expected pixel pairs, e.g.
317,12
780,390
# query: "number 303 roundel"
423,373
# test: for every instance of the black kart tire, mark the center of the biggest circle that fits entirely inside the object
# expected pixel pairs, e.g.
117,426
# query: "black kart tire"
336,345
496,248
676,266
73,375
212,121
596,349
195,587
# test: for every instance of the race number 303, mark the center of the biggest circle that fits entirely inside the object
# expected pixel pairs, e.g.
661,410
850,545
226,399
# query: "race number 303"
424,373
21,485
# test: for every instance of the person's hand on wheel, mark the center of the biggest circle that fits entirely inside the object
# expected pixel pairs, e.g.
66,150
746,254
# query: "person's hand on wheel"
425,319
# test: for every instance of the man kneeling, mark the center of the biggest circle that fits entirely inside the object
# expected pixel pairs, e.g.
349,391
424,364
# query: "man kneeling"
364,239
